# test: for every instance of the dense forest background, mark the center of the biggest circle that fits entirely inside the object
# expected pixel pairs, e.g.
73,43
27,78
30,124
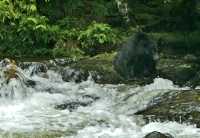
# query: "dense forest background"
75,28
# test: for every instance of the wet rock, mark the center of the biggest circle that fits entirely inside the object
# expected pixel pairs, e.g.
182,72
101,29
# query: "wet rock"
39,68
180,106
137,58
64,62
24,65
71,106
30,83
76,75
157,135
91,97
183,71
36,67
180,71
84,101
100,68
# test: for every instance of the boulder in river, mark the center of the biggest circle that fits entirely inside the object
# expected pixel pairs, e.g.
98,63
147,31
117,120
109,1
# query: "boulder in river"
181,106
156,134
76,75
39,68
181,71
100,68
73,105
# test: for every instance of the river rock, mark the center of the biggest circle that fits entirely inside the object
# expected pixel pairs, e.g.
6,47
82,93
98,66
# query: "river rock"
156,134
65,62
181,106
76,75
84,101
99,68
71,106
179,70
182,72
30,83
39,68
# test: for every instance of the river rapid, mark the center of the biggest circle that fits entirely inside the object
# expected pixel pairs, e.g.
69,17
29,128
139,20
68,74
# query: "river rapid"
91,110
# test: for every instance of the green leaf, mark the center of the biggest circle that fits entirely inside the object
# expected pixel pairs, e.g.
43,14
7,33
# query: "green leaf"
33,8
43,27
33,20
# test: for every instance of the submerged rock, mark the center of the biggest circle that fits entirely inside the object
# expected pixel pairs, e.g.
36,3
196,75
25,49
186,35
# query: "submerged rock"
38,68
157,135
30,83
76,75
180,106
73,105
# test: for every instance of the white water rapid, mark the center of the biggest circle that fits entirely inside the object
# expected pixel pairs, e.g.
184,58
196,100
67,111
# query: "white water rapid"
100,111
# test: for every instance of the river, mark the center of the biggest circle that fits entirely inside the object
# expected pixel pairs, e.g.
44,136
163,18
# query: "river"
92,110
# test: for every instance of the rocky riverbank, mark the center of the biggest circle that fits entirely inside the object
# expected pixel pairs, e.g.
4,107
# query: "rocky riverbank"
183,71
180,106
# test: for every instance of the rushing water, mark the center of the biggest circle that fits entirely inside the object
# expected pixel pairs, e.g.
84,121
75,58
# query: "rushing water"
31,111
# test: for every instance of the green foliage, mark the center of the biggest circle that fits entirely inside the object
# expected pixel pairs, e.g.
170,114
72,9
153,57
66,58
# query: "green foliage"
97,36
67,49
36,27
67,52
80,12
24,31
30,33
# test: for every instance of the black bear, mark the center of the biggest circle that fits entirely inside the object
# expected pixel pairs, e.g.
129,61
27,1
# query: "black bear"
137,58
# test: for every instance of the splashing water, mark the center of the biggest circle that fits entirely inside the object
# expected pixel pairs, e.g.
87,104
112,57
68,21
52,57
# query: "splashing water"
102,111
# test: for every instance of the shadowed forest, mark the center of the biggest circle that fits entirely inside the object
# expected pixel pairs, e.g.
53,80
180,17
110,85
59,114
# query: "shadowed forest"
77,28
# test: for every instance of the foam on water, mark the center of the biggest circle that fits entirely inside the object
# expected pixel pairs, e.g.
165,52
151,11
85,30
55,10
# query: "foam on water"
111,116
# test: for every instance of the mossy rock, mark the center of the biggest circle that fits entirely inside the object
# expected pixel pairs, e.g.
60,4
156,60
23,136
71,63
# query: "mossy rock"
178,70
102,66
182,72
180,106
102,70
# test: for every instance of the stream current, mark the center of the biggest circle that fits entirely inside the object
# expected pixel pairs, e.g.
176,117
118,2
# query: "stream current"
91,110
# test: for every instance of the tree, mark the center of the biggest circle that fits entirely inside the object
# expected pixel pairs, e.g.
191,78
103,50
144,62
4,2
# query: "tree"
184,14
